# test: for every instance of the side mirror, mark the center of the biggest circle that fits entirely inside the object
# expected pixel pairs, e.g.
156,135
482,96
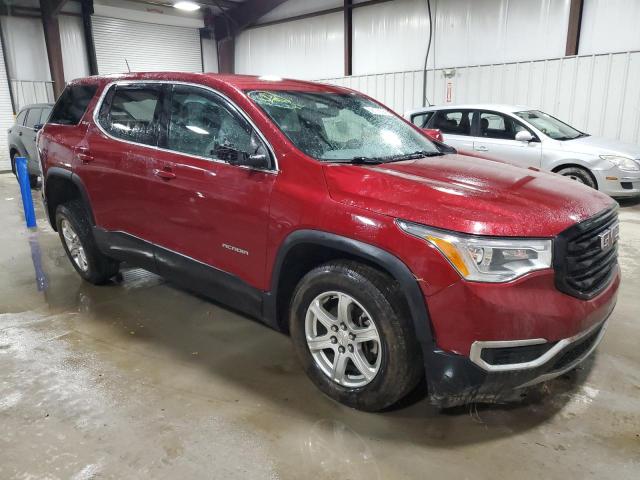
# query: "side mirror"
524,136
257,160
38,126
434,133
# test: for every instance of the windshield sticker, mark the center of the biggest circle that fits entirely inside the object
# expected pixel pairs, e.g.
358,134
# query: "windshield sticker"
274,100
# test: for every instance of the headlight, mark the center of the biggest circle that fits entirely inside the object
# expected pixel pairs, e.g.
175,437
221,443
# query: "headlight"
623,163
485,259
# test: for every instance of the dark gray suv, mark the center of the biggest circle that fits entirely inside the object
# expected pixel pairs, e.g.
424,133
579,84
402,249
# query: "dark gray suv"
22,137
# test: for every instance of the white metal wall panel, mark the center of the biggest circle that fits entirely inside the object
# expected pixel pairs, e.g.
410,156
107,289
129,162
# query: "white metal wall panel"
471,32
6,116
146,46
209,55
305,49
609,26
390,36
596,93
74,51
26,50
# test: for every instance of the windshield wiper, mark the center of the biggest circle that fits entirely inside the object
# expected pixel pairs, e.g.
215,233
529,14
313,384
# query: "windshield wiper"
414,156
366,160
393,158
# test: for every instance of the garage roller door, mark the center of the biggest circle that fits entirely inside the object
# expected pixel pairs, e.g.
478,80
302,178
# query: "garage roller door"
147,47
6,115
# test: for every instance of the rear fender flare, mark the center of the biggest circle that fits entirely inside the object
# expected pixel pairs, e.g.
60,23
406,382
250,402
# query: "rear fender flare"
67,175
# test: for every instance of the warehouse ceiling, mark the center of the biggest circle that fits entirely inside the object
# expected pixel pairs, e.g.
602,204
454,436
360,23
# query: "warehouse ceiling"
216,6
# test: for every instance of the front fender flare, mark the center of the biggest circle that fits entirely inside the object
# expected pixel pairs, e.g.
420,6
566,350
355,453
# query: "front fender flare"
375,255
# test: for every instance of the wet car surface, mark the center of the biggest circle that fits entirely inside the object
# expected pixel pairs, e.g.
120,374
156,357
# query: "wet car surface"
141,378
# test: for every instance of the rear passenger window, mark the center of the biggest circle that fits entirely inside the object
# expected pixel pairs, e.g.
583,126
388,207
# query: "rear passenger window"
72,104
454,122
422,119
33,117
130,112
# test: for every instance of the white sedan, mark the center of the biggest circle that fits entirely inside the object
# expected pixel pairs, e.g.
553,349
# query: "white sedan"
531,138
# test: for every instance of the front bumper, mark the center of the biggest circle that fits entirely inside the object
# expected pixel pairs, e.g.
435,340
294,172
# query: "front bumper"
494,339
462,381
618,183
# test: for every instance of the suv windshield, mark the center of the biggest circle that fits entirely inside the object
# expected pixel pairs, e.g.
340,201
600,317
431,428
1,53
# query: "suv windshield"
550,126
342,127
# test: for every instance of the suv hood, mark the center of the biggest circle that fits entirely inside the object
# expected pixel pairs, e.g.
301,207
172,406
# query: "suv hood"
465,194
601,146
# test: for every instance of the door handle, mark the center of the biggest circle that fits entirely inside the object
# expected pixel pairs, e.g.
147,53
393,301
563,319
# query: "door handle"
83,154
19,134
165,174
481,148
85,159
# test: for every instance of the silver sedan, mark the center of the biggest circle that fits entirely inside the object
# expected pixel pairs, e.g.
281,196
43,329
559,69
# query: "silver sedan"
531,138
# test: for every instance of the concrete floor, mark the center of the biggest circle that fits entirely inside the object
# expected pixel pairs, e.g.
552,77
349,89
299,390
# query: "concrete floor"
141,379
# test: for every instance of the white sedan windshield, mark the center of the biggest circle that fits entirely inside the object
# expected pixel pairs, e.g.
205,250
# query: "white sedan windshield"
550,126
341,127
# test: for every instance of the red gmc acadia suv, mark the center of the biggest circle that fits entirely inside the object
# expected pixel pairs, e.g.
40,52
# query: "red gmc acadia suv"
387,256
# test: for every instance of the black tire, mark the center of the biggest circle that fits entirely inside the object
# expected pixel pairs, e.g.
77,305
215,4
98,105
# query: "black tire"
13,163
100,268
579,174
400,367
33,181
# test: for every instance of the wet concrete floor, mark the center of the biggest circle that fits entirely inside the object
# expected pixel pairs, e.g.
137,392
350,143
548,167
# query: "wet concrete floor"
141,379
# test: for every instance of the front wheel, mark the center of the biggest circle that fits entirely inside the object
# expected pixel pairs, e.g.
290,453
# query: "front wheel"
353,334
578,174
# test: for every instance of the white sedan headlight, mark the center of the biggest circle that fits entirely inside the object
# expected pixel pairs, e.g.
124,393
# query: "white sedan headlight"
623,163
485,259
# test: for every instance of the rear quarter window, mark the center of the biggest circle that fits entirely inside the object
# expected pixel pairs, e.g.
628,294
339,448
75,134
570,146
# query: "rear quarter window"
20,118
421,120
72,104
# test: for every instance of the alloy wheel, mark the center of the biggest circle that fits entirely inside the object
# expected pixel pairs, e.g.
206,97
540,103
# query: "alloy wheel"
76,250
343,339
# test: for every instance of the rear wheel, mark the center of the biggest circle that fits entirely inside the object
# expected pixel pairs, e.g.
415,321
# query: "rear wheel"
353,335
77,238
14,154
578,174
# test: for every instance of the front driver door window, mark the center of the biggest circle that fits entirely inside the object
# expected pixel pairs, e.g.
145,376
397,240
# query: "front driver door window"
201,125
495,138
455,126
212,209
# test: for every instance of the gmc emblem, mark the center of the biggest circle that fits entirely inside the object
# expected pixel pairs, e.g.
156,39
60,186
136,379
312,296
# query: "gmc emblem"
609,237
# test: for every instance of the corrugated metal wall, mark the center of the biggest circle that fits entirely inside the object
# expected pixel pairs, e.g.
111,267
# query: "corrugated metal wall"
596,93
26,92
